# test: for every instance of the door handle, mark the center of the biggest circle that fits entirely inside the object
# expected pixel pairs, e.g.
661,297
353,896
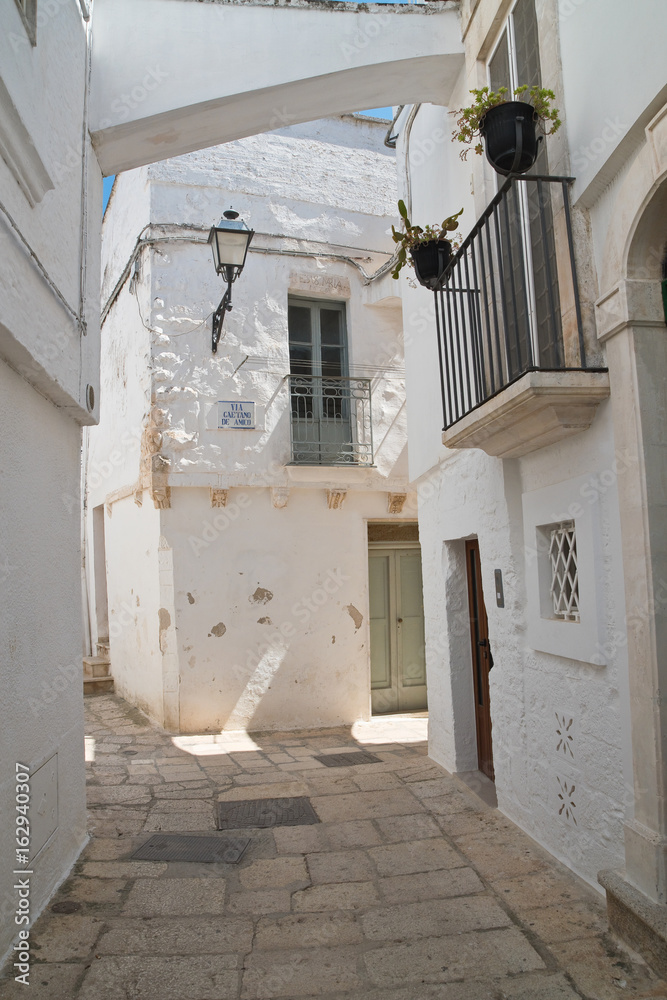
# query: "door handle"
399,620
481,642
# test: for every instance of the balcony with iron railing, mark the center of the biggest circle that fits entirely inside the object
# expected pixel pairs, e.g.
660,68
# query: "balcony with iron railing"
514,371
331,420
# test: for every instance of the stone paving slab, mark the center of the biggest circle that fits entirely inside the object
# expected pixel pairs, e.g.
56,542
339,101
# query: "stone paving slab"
143,977
300,973
430,885
180,897
308,930
172,936
527,987
415,856
67,937
366,805
409,887
446,959
436,917
339,866
47,982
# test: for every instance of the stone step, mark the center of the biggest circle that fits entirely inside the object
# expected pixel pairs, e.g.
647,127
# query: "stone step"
96,666
97,685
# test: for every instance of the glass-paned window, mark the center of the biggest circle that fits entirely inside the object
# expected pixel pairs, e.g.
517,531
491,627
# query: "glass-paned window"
515,61
317,339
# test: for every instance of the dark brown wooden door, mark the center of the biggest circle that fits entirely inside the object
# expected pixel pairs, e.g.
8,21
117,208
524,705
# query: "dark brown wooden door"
482,660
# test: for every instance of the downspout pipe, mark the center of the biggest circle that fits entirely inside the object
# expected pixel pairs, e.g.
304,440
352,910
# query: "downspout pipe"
389,139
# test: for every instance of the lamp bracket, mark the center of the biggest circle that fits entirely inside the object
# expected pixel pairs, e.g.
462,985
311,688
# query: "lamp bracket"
219,317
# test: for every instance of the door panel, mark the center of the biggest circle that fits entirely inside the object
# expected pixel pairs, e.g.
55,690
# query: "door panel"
411,629
398,664
482,661
380,623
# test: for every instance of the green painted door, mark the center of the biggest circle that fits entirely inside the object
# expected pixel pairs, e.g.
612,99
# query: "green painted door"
398,666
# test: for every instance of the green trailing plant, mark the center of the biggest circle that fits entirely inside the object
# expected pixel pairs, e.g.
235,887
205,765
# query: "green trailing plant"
412,236
470,120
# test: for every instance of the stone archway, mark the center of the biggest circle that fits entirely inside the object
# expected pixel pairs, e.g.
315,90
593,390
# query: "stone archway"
630,320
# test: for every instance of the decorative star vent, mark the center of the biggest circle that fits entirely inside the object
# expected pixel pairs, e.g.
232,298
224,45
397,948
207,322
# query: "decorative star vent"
565,736
567,807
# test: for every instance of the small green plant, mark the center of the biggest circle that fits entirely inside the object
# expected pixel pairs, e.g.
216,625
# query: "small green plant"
412,236
469,121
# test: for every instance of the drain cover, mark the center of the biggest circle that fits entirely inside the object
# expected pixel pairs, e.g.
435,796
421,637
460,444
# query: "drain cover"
178,847
266,812
348,759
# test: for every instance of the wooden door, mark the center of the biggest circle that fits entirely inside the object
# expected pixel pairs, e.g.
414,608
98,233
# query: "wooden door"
398,661
482,660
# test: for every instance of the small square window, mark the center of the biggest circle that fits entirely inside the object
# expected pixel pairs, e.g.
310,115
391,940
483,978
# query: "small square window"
564,588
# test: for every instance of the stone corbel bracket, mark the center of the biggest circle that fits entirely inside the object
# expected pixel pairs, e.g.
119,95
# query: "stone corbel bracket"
219,497
159,490
280,496
335,499
395,502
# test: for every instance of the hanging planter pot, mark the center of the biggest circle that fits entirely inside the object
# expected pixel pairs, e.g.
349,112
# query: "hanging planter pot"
510,137
429,249
509,129
430,262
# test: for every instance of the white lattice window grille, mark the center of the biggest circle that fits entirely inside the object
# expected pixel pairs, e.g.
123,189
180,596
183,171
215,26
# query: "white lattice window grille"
564,574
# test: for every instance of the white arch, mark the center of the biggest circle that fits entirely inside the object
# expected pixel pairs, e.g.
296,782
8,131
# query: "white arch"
170,76
630,320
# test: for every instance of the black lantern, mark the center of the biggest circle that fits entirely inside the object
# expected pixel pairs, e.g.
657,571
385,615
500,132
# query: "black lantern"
229,242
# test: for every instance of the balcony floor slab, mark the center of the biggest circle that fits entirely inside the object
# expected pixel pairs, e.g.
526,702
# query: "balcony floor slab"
539,409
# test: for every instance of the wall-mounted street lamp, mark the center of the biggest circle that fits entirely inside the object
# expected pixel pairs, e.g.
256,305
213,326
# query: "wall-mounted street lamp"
229,241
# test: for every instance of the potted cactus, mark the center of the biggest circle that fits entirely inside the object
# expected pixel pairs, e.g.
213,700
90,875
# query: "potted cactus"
509,127
430,248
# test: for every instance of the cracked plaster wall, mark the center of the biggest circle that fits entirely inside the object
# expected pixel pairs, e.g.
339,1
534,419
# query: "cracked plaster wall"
268,641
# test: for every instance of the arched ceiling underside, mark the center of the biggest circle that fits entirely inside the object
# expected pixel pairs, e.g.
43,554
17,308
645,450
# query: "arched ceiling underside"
171,76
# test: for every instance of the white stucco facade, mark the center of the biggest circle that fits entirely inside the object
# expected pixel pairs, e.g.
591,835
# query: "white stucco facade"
582,796
49,357
242,600
158,454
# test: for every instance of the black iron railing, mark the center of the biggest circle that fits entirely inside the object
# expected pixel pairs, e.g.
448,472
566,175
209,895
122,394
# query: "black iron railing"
331,420
509,301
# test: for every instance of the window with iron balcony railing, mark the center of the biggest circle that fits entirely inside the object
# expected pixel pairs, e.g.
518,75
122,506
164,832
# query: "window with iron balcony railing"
330,411
513,367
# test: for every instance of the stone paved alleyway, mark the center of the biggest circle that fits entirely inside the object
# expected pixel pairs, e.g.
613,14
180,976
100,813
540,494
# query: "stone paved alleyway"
410,888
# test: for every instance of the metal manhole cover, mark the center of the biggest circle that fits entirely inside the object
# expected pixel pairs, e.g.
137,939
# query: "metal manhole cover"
263,813
348,759
178,847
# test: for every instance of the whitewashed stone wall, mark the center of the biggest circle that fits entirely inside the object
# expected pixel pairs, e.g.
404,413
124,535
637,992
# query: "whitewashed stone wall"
252,614
572,795
50,201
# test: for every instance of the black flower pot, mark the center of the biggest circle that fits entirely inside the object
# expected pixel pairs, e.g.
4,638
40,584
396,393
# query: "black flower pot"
430,261
510,137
